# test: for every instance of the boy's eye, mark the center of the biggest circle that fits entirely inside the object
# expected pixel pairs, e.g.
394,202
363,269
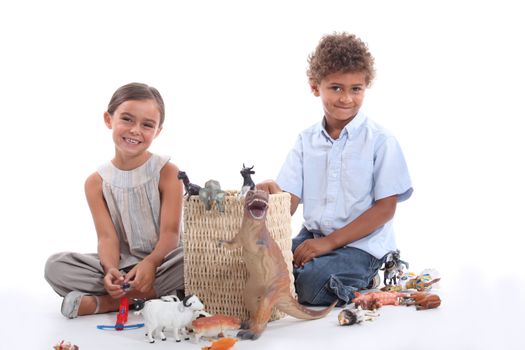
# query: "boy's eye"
336,88
357,89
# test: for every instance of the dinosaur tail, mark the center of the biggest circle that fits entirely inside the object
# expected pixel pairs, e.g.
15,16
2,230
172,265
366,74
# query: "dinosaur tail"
290,306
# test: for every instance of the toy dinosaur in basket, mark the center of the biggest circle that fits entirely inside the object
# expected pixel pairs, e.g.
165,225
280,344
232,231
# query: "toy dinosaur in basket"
268,283
191,189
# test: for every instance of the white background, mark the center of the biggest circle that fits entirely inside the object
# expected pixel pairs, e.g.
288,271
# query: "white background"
449,85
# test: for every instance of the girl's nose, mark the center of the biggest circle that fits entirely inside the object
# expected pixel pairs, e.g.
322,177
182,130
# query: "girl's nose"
135,129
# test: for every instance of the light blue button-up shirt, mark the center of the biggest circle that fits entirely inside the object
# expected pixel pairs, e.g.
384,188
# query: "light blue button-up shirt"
338,180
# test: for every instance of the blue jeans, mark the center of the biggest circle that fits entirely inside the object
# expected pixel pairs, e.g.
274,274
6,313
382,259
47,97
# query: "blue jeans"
336,275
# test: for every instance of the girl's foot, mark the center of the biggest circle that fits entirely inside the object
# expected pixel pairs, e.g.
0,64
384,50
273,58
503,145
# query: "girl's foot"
79,303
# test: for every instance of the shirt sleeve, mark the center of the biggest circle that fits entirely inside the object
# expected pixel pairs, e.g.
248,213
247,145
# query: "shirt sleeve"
290,178
391,175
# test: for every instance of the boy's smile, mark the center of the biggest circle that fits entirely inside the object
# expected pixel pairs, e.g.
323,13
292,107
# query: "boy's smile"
342,95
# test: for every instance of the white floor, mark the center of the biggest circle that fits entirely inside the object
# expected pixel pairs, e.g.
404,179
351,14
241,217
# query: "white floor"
471,317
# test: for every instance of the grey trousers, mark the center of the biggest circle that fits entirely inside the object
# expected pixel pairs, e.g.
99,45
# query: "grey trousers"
68,271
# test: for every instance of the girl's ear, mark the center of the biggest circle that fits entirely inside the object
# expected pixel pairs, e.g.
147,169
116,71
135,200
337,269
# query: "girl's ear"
314,86
158,131
107,120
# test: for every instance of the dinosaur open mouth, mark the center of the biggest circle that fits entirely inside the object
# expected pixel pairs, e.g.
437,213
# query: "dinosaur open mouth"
257,208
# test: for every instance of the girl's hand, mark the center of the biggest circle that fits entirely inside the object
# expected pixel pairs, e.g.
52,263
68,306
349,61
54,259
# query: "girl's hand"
113,283
310,249
142,276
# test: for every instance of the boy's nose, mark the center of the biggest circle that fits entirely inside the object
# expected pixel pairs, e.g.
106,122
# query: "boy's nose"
346,98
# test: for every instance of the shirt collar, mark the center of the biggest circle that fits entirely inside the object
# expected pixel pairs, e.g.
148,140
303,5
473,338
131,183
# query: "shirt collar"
349,129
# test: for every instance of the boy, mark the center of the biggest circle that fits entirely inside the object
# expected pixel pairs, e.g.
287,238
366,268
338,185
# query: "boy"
349,173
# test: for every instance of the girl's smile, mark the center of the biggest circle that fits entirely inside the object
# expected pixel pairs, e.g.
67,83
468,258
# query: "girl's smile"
135,124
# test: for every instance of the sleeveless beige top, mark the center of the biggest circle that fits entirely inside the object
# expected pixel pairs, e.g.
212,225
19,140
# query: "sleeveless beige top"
133,201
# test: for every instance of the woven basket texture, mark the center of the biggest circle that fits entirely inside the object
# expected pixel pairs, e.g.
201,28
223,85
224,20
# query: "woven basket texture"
218,276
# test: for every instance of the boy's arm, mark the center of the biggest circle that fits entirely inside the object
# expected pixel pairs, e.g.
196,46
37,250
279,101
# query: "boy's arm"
272,187
108,244
376,216
171,196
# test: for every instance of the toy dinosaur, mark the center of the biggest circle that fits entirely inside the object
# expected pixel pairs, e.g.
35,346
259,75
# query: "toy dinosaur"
374,300
268,283
191,189
214,326
212,193
221,344
423,301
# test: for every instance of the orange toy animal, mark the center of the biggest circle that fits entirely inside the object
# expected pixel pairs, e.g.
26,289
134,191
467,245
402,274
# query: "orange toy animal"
268,283
221,344
423,301
214,326
374,300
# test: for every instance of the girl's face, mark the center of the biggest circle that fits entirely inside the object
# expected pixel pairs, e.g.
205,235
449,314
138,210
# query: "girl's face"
135,124
342,95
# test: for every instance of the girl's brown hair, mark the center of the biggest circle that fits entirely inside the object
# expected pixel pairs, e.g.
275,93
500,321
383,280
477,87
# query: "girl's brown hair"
136,92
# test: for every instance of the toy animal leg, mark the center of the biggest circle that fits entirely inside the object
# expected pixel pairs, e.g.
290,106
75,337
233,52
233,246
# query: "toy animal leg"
259,320
149,334
162,335
176,334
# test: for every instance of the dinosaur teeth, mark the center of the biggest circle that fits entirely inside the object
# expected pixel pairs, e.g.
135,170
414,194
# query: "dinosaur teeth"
257,208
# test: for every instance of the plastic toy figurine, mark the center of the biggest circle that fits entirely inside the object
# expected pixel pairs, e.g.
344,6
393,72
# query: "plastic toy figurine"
268,283
423,301
248,183
394,266
422,282
353,315
374,300
177,315
191,189
214,326
221,344
122,315
212,193
65,346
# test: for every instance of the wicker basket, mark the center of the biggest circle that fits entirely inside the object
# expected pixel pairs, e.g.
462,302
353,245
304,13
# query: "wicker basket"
218,276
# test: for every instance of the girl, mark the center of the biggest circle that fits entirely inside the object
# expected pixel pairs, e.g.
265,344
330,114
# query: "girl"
136,204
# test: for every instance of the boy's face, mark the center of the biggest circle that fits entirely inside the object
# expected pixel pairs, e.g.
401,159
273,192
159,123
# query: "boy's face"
342,95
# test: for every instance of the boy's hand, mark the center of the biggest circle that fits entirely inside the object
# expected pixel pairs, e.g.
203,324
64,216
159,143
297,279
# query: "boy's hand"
113,281
269,186
310,249
142,276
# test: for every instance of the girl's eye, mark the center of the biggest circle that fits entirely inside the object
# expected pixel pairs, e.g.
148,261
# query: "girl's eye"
357,89
149,126
336,88
126,119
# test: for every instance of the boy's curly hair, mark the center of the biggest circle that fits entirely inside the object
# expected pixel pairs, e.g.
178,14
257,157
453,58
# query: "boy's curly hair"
340,52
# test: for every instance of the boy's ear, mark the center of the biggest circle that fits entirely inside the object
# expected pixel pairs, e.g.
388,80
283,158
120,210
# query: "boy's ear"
107,120
314,86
